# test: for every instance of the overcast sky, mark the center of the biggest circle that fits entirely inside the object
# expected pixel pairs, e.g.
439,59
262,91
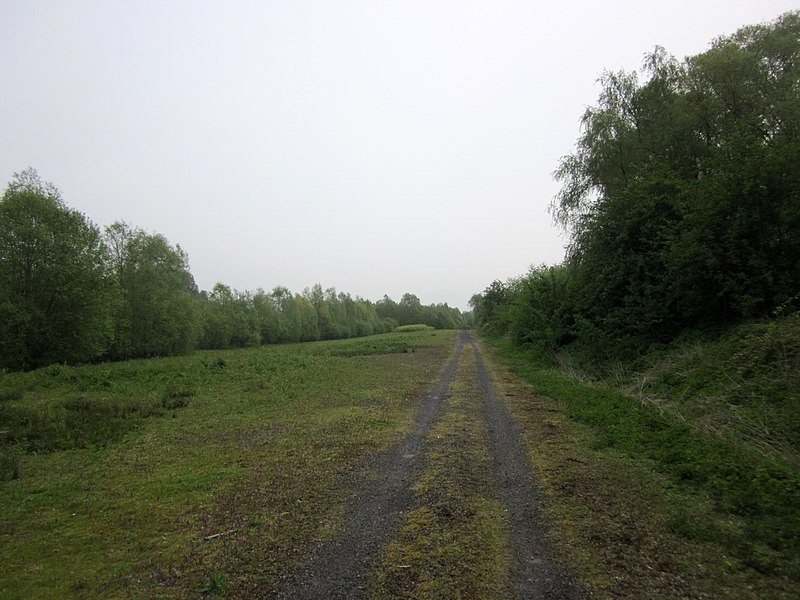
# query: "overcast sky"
379,147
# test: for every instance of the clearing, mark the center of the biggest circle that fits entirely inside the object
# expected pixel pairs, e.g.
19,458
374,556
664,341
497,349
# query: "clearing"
450,511
380,467
407,465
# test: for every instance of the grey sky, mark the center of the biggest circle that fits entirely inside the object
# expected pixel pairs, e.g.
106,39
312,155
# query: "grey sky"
378,147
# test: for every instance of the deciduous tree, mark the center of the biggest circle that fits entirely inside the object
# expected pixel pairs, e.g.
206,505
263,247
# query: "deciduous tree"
55,295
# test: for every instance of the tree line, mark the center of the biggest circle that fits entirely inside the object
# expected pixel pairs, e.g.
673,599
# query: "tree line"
72,293
681,200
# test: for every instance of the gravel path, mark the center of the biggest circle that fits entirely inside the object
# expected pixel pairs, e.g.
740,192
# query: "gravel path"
341,568
534,574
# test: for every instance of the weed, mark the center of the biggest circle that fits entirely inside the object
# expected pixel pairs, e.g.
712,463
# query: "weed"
77,422
216,584
219,363
692,525
366,347
743,386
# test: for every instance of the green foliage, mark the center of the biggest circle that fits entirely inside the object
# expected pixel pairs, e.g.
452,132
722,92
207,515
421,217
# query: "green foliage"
11,393
78,422
410,311
539,313
233,319
54,293
379,344
492,308
746,382
229,319
682,200
69,295
177,396
156,315
91,408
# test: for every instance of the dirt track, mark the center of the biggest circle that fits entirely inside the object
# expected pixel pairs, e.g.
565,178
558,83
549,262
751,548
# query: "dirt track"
347,566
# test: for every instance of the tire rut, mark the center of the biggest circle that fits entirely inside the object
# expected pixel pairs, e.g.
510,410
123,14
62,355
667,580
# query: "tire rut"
341,567
534,573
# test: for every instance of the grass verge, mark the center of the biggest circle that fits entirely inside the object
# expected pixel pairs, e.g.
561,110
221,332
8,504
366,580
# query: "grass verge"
645,506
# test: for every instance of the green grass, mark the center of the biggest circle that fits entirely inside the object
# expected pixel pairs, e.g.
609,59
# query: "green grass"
413,328
703,489
366,347
209,472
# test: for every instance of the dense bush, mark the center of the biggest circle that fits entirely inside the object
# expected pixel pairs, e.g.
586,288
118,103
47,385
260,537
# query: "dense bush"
156,313
682,200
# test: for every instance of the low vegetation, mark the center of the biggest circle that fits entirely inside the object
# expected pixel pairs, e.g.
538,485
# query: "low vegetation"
743,387
651,482
414,327
205,473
